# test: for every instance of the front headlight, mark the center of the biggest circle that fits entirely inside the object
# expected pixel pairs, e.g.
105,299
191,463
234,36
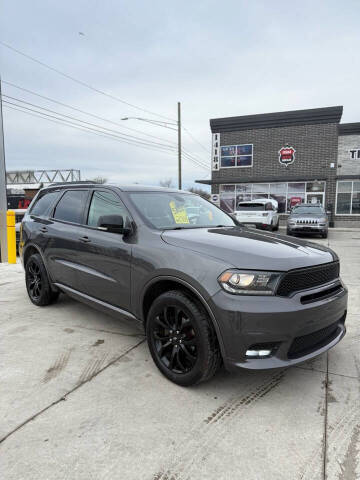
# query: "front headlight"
248,282
291,222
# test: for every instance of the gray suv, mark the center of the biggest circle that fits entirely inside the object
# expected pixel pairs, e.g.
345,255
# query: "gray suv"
205,290
308,218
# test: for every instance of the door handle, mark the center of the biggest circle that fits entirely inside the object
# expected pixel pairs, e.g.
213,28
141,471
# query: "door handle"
43,229
85,239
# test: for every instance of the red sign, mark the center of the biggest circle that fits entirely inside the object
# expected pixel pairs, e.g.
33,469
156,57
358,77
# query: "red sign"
287,155
294,201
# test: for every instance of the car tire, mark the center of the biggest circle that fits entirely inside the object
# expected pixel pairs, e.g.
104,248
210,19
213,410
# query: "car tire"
324,235
37,282
288,232
277,226
181,339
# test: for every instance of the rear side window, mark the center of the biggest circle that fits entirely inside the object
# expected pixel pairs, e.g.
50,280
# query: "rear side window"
43,204
71,206
105,203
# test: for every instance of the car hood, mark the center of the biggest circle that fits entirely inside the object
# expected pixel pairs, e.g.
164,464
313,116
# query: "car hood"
250,249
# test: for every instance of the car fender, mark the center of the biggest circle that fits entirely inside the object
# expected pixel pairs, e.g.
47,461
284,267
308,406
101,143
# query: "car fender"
198,295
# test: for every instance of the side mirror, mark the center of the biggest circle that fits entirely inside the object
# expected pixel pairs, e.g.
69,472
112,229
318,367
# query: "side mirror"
112,223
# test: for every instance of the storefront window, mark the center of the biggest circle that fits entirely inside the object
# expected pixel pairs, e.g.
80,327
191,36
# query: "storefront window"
296,187
344,187
244,187
242,197
315,187
227,198
348,198
343,203
260,188
286,194
278,188
281,199
355,210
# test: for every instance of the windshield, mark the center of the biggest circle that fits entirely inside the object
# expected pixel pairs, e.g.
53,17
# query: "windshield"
308,210
251,206
166,210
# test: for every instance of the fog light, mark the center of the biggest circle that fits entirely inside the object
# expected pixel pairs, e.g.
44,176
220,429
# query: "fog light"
258,353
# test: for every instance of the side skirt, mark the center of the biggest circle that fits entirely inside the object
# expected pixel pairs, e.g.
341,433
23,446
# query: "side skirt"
104,307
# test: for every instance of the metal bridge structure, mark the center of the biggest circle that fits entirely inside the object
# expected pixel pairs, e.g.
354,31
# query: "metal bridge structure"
21,177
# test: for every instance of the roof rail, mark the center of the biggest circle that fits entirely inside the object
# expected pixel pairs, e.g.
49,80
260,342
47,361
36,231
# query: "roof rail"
79,182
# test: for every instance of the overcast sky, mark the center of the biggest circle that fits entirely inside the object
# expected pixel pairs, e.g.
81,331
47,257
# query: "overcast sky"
218,58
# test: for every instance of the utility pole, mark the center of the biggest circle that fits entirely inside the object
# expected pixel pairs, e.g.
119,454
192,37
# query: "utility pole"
179,145
3,197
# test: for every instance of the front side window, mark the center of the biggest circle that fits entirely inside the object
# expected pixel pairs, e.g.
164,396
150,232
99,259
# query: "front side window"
43,203
237,156
70,207
166,211
105,203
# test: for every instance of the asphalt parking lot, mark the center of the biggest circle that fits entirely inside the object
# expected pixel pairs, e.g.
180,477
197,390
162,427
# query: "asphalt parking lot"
82,399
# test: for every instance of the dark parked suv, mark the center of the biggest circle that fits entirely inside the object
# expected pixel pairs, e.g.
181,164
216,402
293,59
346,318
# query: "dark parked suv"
206,290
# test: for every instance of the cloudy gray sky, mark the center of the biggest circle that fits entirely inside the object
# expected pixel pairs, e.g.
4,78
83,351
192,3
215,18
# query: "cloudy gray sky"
218,58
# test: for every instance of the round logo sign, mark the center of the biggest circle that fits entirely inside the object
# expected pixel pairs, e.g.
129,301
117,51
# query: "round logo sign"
287,155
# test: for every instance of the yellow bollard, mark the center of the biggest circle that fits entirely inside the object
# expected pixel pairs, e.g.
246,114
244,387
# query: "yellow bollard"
11,236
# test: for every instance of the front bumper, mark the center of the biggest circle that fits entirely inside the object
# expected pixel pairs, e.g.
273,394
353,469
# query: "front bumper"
307,228
281,322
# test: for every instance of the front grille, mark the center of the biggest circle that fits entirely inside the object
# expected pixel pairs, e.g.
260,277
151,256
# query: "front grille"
309,343
309,277
307,222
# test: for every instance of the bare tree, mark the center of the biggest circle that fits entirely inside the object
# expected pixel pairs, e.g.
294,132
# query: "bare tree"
166,183
200,191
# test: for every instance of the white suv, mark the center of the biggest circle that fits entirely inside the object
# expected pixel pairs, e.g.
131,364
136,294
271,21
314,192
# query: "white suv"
262,213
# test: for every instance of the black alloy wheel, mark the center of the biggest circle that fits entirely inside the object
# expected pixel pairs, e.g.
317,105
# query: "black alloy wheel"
34,280
175,339
37,282
181,339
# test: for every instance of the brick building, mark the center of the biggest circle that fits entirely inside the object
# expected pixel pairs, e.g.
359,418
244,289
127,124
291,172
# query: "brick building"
303,155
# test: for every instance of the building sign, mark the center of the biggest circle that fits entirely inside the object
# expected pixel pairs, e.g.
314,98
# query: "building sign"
355,154
287,155
215,151
294,201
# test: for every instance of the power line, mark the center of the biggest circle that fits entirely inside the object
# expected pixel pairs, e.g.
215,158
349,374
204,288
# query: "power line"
84,84
80,82
67,122
87,123
122,135
63,122
195,140
86,113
